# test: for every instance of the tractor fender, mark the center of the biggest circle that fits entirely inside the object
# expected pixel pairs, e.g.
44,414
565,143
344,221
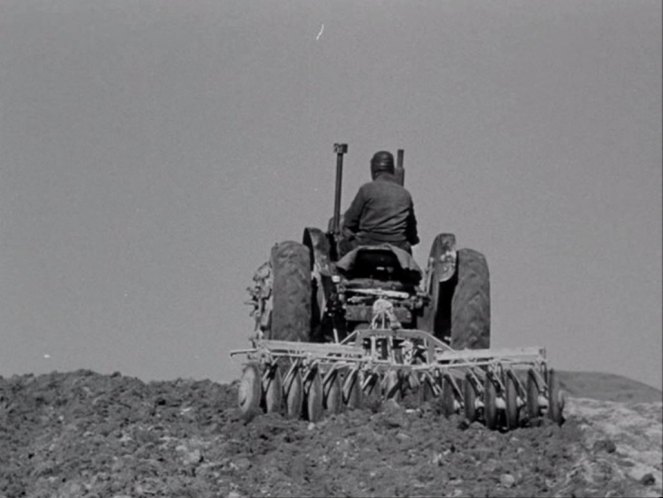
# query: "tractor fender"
442,259
318,244
322,269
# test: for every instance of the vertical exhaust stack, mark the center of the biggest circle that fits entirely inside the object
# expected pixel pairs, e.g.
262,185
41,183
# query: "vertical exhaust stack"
400,171
339,150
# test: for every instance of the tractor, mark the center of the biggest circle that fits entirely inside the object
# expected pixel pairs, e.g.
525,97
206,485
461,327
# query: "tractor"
337,327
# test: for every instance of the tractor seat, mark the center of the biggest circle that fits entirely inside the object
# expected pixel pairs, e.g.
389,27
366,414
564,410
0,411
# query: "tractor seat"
383,263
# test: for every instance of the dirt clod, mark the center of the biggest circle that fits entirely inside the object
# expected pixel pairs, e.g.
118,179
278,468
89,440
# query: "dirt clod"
648,479
507,480
606,445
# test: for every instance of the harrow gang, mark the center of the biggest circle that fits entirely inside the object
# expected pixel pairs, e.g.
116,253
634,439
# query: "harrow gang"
502,388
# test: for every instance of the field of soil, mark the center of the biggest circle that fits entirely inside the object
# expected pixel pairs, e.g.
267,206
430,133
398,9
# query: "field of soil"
82,434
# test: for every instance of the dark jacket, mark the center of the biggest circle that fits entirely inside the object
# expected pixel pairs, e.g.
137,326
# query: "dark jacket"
382,211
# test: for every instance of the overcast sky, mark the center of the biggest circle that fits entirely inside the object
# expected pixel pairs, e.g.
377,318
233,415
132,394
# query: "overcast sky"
151,153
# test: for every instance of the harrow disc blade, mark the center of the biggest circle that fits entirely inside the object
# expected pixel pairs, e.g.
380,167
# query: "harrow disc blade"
352,390
333,394
294,394
511,403
392,385
533,408
426,392
314,395
272,386
469,400
250,391
490,404
555,398
371,395
448,397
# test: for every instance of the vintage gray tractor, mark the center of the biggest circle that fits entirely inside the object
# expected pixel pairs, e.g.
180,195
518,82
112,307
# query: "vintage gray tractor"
337,329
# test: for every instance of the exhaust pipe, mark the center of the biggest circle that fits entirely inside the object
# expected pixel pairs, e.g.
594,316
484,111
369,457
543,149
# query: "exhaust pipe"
400,172
339,150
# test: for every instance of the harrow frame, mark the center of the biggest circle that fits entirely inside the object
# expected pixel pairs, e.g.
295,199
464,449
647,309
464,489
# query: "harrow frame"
490,385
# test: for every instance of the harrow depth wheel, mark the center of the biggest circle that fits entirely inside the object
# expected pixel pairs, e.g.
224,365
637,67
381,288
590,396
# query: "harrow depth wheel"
273,388
490,404
511,403
250,391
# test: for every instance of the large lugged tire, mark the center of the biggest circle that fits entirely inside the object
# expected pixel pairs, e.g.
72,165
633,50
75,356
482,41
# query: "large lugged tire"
470,303
291,292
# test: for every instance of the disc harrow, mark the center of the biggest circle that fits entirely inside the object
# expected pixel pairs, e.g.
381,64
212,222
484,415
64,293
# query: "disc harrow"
500,388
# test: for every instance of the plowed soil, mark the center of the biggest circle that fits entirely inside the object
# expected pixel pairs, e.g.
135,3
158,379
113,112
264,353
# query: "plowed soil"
90,435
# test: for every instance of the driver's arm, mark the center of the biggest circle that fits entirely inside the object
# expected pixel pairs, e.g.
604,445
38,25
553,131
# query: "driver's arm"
412,235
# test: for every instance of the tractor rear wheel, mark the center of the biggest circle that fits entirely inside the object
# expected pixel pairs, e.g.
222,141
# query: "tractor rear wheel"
291,292
470,304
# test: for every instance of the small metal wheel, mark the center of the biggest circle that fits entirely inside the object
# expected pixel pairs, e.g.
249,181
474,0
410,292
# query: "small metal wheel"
294,394
392,385
332,390
555,398
314,397
272,386
469,400
533,408
511,403
352,390
448,397
250,391
490,404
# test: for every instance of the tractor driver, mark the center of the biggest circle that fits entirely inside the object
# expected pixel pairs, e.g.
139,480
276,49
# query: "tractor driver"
382,211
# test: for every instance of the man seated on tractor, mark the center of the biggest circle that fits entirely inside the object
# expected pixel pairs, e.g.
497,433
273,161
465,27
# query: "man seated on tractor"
382,212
